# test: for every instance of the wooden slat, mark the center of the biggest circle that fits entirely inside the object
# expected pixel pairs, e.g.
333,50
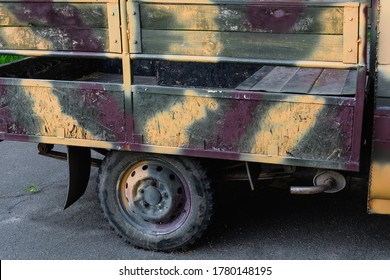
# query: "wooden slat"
335,3
351,34
350,85
331,82
53,14
244,45
42,38
243,18
114,27
255,78
276,79
303,80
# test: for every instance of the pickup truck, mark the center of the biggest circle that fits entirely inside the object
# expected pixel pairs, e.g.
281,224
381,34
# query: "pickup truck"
171,91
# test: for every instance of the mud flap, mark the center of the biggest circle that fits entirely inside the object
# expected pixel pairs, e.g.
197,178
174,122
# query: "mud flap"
79,162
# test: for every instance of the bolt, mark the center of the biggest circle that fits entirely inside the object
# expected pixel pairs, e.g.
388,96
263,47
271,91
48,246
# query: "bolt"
134,13
349,50
351,19
135,42
113,14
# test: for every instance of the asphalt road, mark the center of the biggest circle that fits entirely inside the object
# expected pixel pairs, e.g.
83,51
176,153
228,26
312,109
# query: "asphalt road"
264,224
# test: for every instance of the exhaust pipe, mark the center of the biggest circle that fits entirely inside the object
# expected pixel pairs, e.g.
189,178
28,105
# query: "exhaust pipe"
324,181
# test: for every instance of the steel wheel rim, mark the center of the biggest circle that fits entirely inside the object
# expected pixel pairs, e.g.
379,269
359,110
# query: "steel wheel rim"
154,197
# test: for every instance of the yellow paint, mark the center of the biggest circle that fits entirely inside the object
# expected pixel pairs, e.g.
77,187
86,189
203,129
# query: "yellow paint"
76,142
169,128
285,125
380,181
210,45
48,109
383,32
22,37
379,206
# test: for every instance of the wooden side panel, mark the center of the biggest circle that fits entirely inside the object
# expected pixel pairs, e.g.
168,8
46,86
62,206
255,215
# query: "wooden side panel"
243,45
60,26
42,14
55,111
55,39
296,126
243,18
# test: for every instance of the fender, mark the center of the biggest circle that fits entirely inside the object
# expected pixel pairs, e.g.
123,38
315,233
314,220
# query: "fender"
79,169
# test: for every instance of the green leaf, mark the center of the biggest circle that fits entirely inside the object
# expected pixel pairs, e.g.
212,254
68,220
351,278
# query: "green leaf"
32,189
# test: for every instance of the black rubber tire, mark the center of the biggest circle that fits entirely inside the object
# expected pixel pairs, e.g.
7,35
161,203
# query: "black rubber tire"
125,175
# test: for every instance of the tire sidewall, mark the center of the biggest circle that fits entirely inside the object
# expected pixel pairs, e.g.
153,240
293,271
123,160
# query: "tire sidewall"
113,169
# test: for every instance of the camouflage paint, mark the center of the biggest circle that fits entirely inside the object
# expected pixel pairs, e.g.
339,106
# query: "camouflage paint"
56,110
284,30
379,189
308,130
59,26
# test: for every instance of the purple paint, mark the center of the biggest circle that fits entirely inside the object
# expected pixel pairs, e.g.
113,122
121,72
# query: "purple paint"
233,126
274,19
111,112
82,37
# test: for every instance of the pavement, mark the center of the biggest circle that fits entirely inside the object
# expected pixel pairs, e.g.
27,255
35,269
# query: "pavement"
265,224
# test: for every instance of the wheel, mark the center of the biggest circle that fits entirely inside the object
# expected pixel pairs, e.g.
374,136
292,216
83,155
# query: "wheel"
155,202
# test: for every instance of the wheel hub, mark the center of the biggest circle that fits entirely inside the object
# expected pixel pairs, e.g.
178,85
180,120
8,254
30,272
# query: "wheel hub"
154,194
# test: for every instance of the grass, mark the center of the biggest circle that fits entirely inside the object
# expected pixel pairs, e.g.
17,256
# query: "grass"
9,58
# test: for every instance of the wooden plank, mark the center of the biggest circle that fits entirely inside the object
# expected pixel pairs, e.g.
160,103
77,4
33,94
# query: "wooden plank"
336,3
134,27
243,18
303,80
351,34
244,45
53,14
59,39
276,79
350,85
255,78
383,23
331,82
114,28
